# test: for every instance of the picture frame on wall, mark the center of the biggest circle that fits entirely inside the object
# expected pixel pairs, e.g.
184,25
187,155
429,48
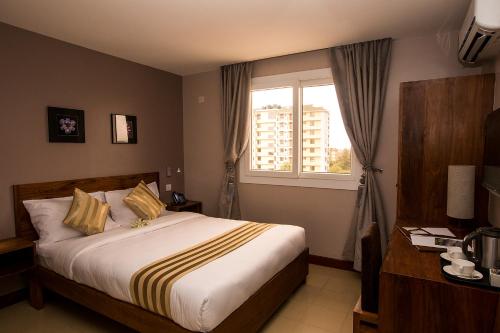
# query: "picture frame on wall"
66,125
123,129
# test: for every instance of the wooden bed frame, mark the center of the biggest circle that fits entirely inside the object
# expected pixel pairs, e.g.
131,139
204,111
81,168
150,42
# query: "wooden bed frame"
249,317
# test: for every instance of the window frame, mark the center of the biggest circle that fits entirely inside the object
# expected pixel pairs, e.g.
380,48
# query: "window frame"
296,177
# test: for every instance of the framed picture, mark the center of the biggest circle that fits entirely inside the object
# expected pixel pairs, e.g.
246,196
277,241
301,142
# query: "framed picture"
123,128
66,125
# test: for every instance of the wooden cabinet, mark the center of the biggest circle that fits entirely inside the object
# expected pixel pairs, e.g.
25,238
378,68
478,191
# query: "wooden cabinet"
442,123
415,297
17,256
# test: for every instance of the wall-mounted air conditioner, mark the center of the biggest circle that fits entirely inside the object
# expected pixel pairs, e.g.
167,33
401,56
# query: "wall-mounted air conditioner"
480,33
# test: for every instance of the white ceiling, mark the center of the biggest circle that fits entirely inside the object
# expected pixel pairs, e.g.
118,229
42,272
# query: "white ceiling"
192,36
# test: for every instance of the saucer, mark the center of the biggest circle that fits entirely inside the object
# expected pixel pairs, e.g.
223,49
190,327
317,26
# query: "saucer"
446,256
475,276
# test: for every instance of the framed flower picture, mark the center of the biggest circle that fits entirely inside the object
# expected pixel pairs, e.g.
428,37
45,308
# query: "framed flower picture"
66,125
123,128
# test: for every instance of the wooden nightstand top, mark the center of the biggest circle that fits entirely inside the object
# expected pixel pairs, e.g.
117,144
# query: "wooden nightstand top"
189,205
17,256
14,244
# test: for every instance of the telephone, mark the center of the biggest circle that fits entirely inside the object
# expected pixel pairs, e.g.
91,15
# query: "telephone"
178,198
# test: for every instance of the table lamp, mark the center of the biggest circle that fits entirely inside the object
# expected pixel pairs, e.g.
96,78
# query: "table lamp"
461,189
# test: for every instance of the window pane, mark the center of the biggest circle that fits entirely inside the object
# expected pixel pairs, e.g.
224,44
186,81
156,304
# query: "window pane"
325,145
272,129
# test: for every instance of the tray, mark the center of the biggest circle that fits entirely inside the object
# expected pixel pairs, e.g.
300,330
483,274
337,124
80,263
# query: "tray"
483,283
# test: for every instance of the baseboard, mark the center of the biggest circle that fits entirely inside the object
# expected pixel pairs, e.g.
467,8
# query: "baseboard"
330,262
13,297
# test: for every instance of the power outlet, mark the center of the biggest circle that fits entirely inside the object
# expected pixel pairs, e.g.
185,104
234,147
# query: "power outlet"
168,187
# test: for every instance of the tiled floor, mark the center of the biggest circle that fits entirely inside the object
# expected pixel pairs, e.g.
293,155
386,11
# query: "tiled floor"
323,304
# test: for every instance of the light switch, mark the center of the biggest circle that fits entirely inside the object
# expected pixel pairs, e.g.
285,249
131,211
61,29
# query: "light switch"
201,99
168,187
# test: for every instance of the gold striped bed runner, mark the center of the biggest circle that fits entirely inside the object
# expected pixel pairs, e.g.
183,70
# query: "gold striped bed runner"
151,285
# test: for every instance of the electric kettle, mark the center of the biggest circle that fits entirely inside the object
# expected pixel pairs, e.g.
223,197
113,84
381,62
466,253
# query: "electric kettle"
486,244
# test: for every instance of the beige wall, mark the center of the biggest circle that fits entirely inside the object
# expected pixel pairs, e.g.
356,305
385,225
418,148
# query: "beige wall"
203,161
37,71
326,214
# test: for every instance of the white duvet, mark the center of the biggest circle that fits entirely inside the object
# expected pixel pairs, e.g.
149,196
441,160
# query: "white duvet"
200,300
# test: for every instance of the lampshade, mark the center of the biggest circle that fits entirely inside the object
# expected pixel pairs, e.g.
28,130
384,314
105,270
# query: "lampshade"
461,184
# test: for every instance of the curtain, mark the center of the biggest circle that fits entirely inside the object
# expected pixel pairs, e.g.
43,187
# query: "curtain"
235,105
360,74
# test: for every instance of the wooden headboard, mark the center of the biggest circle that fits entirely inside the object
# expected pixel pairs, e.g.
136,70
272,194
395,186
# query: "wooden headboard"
24,228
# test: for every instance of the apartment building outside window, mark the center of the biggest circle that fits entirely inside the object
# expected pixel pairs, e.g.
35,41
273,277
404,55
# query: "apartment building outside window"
296,124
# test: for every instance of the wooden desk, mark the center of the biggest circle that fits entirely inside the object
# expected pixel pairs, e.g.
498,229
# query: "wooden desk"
434,117
416,298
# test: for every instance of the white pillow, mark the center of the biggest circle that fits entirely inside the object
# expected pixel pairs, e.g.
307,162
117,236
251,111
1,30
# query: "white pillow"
119,210
47,217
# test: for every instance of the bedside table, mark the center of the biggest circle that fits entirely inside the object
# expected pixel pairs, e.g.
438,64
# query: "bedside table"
17,256
189,206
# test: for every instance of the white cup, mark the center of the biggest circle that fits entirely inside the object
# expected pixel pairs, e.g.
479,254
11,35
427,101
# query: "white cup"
463,267
455,252
495,277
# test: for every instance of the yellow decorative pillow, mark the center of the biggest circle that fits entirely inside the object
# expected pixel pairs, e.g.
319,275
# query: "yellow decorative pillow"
144,202
87,214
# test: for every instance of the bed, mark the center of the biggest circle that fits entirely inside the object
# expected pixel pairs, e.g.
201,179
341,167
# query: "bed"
94,270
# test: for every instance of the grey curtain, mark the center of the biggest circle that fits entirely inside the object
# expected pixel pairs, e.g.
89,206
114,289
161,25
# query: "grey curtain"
360,74
235,107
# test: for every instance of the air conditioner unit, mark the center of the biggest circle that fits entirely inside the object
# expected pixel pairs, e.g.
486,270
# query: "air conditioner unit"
480,33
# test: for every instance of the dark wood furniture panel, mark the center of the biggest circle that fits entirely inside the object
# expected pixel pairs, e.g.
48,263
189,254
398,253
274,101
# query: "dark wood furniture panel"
365,312
188,206
17,256
492,138
441,123
370,268
415,297
363,321
10,245
249,317
24,228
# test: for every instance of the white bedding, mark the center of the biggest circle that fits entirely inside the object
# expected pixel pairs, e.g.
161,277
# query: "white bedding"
200,300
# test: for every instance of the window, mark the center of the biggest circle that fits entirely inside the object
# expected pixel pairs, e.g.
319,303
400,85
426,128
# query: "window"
318,152
270,105
333,148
